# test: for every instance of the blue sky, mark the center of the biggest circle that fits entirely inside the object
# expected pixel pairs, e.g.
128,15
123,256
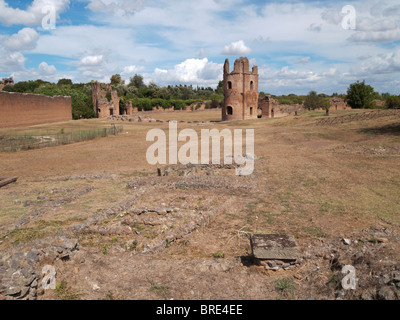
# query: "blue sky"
298,46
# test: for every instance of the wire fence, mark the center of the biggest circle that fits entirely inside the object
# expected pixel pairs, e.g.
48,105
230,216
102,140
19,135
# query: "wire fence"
42,138
368,115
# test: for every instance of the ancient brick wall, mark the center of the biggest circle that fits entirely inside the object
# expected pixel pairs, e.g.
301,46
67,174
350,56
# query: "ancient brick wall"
240,91
102,107
18,109
338,104
268,107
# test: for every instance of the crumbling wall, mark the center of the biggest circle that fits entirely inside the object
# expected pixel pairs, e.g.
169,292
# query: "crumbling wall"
240,91
267,107
23,109
6,82
338,104
104,108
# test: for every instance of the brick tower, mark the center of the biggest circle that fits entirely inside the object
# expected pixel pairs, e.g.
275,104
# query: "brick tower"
240,91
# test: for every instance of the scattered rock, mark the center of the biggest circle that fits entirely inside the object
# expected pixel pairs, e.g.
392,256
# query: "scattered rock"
347,242
386,293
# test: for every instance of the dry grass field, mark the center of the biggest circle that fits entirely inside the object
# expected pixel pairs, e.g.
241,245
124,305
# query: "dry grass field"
319,183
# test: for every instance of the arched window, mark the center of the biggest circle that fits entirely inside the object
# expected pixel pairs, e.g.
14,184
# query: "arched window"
251,85
229,85
229,110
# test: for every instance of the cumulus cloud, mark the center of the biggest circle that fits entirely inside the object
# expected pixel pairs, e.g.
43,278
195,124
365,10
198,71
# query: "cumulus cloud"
124,7
46,69
381,64
25,39
11,61
236,48
191,71
131,70
91,60
33,15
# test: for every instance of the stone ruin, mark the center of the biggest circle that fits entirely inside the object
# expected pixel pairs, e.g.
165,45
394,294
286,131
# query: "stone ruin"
6,82
103,107
338,104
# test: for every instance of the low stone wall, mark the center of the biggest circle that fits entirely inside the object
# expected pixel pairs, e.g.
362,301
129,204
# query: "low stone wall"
20,109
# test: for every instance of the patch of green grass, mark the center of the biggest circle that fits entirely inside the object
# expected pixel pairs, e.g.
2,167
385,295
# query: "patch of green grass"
24,235
285,288
160,290
64,292
109,297
315,232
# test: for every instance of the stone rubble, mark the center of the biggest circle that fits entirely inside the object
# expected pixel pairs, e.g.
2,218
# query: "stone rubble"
20,270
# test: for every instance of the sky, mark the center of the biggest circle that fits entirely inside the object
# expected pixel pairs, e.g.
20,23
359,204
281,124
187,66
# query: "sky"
298,46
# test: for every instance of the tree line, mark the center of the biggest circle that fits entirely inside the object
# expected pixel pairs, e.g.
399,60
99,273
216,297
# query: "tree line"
145,97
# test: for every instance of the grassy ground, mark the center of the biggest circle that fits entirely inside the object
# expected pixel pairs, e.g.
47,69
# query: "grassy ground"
314,182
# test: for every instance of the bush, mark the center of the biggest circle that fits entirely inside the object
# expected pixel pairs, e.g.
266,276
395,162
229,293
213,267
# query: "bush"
360,95
393,102
314,101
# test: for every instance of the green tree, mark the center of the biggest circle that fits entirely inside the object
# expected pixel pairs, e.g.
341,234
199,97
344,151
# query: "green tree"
220,88
64,82
312,101
116,80
136,81
360,95
317,101
393,102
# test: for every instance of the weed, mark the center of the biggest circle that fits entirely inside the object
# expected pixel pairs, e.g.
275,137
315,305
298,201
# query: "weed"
162,291
109,297
373,240
219,255
285,287
64,292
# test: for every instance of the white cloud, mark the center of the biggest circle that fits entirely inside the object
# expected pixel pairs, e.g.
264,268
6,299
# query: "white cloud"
369,24
192,71
33,15
122,7
47,70
11,61
379,65
25,39
91,60
236,48
132,70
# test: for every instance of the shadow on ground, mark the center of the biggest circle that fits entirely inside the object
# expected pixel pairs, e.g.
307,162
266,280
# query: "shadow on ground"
391,129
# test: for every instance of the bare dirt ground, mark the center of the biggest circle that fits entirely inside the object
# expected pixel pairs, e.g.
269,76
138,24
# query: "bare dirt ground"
186,236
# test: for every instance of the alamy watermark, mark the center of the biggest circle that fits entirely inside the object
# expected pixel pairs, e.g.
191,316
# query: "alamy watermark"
349,21
49,19
49,279
349,282
189,152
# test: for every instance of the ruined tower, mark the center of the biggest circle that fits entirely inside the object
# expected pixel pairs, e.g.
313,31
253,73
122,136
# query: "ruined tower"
102,106
240,91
